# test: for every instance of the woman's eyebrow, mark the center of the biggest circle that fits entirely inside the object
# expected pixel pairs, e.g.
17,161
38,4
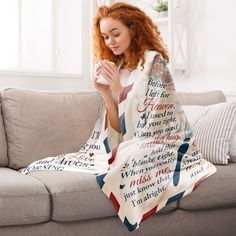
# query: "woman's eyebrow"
110,30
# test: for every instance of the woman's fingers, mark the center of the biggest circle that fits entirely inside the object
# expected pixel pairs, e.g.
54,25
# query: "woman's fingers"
110,65
106,73
110,70
98,71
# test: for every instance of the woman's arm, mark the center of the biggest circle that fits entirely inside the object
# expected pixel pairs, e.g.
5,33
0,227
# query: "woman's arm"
112,111
110,103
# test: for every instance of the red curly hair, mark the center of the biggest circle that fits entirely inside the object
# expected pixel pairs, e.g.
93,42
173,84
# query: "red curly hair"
145,34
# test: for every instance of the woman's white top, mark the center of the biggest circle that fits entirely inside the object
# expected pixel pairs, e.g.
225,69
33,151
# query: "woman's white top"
125,78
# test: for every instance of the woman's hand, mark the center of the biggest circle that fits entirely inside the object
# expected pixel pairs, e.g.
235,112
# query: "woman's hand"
110,72
101,88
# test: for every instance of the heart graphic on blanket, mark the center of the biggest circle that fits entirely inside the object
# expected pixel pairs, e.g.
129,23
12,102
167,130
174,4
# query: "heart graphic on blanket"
91,154
122,186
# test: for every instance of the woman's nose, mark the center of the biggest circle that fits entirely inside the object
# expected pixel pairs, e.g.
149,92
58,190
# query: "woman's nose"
111,41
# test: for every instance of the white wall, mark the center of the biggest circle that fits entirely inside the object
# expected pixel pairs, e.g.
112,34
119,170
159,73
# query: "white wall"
212,54
56,81
45,83
212,47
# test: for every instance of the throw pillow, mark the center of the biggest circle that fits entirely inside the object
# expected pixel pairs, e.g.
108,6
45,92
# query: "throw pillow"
213,127
232,147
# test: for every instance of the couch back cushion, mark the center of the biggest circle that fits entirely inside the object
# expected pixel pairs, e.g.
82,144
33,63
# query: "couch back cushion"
3,143
201,98
40,124
232,149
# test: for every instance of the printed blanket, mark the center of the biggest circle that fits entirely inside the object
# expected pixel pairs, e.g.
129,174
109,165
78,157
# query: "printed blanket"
158,160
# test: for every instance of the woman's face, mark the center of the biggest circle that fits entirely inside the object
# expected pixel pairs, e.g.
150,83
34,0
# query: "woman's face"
117,36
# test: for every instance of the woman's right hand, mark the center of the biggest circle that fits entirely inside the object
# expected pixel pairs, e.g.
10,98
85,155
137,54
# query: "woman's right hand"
101,88
110,103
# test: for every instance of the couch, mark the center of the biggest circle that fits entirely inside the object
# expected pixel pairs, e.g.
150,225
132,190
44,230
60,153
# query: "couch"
37,124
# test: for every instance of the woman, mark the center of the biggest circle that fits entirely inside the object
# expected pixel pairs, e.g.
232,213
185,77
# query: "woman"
122,34
158,160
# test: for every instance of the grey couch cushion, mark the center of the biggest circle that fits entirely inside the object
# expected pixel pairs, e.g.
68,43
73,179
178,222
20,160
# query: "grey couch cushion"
201,98
3,143
39,124
218,190
23,199
77,196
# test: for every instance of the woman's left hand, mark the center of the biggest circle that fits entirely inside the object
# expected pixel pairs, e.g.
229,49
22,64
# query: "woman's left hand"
111,73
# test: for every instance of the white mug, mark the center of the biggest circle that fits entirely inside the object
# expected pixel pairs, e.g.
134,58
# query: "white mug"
100,79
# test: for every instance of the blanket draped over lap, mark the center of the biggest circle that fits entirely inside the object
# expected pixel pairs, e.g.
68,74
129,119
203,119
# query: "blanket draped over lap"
157,161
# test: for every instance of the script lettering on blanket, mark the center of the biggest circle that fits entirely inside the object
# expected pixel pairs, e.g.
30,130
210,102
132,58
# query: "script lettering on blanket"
152,170
157,116
92,146
153,104
44,165
61,162
147,177
142,175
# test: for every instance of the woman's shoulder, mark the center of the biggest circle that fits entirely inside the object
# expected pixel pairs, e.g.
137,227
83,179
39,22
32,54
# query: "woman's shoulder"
151,55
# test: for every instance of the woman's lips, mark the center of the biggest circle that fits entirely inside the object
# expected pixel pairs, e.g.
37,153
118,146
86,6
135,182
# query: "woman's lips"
114,48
